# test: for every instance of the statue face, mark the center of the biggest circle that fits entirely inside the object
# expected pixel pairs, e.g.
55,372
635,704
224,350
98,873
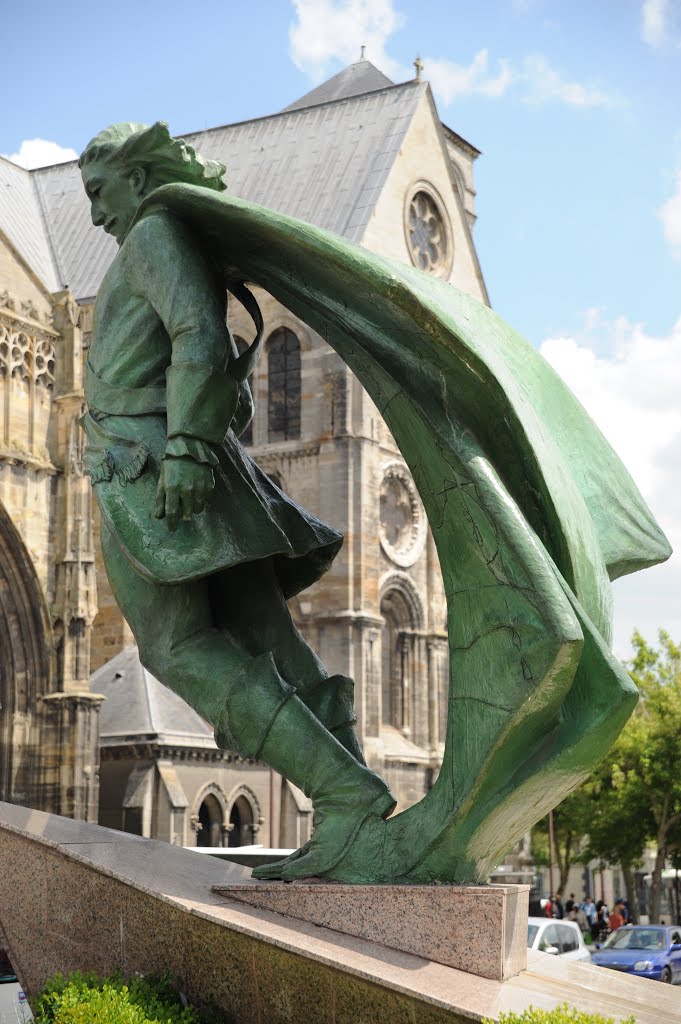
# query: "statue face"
114,195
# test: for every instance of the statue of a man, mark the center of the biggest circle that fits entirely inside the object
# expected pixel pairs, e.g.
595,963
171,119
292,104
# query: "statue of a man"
201,549
532,512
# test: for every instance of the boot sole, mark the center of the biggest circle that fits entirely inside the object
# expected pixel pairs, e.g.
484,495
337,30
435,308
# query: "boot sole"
382,807
273,872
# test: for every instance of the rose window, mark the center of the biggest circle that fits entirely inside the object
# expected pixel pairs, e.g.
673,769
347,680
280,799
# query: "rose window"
426,233
402,520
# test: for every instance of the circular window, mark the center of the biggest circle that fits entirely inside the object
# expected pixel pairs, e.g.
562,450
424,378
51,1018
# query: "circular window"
402,519
428,233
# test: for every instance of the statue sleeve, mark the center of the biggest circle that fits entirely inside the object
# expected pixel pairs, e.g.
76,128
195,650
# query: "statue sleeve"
165,265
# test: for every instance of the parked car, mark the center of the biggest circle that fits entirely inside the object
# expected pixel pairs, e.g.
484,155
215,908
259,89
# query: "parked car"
562,938
650,951
7,975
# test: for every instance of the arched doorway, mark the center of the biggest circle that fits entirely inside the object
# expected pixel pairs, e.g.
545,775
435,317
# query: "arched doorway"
242,820
26,670
211,822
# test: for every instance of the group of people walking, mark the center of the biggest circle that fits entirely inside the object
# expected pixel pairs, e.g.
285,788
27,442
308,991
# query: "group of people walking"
595,920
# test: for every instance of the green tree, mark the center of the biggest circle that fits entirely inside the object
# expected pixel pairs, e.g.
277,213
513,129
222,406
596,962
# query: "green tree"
655,729
570,822
633,798
618,817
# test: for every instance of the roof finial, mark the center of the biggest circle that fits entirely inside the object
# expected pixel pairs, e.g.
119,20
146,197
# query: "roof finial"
361,55
418,64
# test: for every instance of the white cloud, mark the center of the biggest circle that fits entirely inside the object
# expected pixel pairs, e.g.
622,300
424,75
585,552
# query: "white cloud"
633,395
336,29
670,215
450,80
544,84
328,30
661,22
535,80
41,153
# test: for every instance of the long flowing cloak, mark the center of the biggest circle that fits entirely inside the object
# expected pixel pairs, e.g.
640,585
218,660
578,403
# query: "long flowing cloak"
532,512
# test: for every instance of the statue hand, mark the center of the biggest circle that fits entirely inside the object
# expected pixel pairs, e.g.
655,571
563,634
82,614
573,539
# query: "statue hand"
183,487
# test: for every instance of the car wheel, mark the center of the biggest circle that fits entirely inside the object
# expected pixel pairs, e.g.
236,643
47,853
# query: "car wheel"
666,976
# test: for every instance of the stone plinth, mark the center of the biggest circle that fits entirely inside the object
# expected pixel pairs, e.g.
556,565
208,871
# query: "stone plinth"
481,929
76,896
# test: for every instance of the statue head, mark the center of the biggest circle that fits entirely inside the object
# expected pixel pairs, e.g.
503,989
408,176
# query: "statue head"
126,161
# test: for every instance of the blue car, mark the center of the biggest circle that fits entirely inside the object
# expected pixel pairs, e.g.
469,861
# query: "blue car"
649,951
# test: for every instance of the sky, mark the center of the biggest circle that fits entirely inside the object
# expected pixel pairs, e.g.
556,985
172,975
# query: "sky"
573,103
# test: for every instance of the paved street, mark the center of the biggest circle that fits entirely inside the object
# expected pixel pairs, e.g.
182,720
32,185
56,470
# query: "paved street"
12,1009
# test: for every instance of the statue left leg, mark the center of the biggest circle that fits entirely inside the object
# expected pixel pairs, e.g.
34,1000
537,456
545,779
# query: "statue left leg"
248,604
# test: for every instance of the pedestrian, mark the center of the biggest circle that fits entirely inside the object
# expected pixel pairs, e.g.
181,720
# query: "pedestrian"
558,905
569,904
602,925
578,915
616,919
589,909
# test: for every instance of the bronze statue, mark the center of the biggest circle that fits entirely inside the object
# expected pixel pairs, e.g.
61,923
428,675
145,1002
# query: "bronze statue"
532,512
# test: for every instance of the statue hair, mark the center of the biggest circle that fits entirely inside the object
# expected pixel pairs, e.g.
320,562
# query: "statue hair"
152,147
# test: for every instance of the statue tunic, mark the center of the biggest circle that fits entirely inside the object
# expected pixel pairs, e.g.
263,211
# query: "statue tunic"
157,383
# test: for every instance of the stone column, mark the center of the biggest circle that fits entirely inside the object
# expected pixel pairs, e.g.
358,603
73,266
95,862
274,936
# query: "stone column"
70,730
68,754
75,590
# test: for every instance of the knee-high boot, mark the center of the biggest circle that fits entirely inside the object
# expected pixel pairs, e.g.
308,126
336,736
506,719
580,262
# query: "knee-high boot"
262,717
332,702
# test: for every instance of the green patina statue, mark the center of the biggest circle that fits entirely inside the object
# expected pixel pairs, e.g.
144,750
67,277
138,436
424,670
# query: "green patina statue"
532,512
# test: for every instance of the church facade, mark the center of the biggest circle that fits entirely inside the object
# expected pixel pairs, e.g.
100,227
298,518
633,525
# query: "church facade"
371,161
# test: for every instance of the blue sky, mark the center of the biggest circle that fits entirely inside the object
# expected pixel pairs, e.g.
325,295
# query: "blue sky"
575,106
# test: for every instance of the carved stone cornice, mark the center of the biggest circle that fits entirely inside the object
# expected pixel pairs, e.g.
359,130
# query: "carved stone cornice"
270,454
13,311
78,698
19,456
159,751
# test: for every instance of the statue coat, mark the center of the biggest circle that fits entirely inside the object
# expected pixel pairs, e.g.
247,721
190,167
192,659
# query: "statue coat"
157,382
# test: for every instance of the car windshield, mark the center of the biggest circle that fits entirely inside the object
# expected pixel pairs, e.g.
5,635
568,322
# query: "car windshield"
637,938
532,930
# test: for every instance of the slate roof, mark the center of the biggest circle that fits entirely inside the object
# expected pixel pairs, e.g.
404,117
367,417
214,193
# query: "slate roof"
138,707
360,77
23,224
325,164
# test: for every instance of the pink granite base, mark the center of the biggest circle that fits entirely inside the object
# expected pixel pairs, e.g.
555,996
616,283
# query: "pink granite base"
481,929
78,897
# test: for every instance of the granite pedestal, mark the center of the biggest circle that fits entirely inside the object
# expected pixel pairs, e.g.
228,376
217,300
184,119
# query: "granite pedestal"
481,929
79,897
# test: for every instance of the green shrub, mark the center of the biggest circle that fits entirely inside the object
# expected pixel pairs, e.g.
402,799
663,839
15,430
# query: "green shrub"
560,1015
88,999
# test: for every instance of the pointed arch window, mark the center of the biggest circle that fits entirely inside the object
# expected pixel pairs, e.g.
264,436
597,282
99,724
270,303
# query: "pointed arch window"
283,394
396,620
